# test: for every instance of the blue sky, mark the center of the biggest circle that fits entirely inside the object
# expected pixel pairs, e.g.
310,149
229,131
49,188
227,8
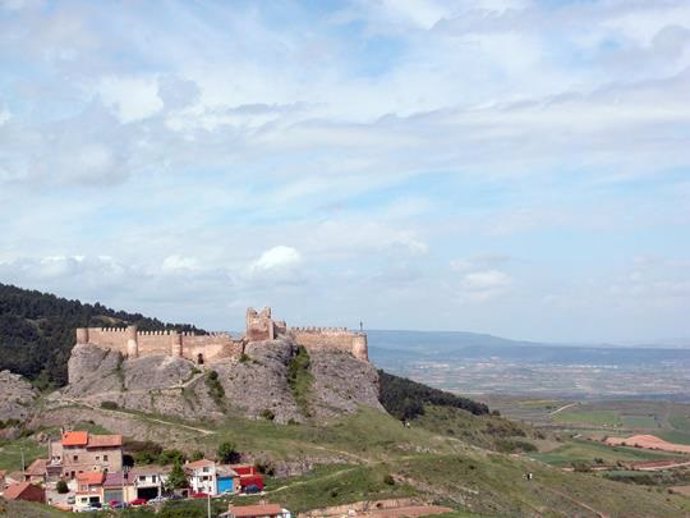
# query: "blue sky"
514,167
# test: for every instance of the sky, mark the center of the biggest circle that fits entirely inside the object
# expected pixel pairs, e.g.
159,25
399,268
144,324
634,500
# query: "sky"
514,167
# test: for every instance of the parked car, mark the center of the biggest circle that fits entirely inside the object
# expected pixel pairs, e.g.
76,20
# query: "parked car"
116,504
71,500
252,489
158,500
138,501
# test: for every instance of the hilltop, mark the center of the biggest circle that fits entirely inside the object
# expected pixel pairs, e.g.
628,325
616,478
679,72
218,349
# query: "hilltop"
37,331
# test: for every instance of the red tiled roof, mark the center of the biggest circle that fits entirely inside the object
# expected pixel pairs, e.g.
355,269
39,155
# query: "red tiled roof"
15,490
37,468
104,441
92,478
75,439
246,511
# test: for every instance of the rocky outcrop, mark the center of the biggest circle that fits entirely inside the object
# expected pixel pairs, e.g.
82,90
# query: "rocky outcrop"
342,383
16,397
255,384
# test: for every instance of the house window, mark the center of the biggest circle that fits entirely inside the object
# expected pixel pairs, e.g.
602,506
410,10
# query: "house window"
142,478
98,458
75,458
153,479
105,458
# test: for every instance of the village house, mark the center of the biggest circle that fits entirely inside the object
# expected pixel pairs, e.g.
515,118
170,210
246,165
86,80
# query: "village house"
257,511
202,476
25,491
81,452
250,478
37,471
118,487
228,480
148,481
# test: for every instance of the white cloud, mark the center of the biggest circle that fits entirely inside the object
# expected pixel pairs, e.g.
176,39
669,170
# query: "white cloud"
177,263
277,258
131,98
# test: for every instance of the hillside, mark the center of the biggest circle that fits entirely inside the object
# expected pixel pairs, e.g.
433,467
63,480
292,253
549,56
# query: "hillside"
273,379
37,331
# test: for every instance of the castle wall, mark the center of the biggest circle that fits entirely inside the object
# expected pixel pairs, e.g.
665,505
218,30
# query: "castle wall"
212,346
329,339
110,338
260,326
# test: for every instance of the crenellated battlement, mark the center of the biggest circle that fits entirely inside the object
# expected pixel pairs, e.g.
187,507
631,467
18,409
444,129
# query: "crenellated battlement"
210,347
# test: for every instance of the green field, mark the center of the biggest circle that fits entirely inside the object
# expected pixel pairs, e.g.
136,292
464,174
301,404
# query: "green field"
11,453
640,422
608,418
587,451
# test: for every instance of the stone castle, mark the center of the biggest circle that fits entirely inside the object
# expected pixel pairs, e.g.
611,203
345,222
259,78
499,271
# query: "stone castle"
132,343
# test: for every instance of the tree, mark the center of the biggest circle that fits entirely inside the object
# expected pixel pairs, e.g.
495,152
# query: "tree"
61,487
177,478
228,453
196,455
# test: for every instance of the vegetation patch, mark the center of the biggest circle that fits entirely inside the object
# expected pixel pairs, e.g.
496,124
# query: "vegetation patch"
300,379
405,399
37,331
215,389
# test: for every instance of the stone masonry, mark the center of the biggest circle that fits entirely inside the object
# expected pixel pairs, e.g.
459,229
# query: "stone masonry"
260,326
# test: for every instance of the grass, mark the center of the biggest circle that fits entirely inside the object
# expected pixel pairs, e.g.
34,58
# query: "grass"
587,451
640,422
11,453
608,418
486,431
300,379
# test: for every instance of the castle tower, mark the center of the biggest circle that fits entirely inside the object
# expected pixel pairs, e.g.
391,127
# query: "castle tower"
82,335
176,344
360,346
132,342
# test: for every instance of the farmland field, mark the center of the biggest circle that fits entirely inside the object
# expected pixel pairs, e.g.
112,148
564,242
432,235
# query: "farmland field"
608,418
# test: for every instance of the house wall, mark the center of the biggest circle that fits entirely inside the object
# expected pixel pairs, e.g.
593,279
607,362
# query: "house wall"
92,459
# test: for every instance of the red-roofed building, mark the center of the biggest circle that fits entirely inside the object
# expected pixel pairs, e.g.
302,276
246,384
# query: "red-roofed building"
36,473
90,481
25,491
257,511
82,452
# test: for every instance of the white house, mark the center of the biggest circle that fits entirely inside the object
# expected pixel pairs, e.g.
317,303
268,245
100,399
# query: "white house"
148,481
203,477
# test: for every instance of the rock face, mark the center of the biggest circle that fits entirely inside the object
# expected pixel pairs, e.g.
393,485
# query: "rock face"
255,385
16,397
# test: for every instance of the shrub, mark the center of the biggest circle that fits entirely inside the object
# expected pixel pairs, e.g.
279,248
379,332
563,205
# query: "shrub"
215,388
170,457
61,487
268,414
389,480
227,452
196,455
109,405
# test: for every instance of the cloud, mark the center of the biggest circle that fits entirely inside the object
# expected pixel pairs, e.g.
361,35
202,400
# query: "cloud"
277,258
133,98
379,139
177,263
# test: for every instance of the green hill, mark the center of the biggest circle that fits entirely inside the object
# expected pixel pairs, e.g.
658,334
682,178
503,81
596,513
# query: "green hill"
37,331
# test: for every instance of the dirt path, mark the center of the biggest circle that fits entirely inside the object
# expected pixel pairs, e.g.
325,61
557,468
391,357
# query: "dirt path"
130,415
558,410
